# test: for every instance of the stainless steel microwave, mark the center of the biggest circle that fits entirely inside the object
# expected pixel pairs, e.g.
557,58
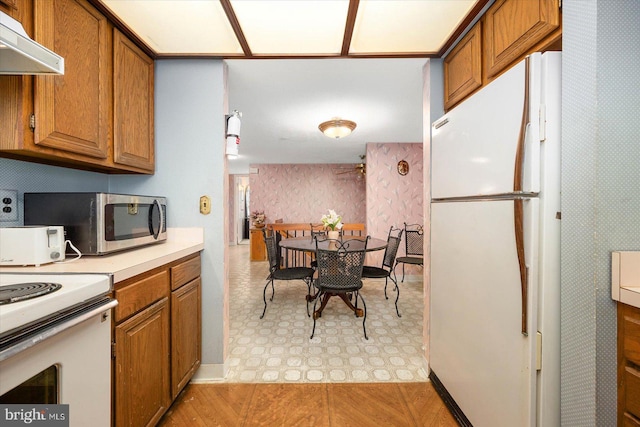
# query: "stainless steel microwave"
100,223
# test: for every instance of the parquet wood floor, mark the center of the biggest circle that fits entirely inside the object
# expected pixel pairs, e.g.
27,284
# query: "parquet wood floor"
324,405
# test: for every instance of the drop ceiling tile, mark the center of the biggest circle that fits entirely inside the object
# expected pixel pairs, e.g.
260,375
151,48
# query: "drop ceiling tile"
292,27
175,26
406,26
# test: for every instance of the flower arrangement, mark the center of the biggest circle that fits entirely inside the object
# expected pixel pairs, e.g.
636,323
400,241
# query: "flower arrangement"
258,217
332,221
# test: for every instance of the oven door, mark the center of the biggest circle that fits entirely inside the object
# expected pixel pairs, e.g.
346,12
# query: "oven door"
70,365
131,221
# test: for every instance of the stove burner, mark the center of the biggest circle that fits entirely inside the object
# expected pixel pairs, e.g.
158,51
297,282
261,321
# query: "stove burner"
23,291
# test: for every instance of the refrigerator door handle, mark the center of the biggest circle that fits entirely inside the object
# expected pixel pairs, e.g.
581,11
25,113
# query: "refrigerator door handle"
515,195
519,166
438,124
518,212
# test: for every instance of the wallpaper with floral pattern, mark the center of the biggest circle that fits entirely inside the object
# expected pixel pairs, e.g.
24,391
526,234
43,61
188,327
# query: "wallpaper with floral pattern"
384,198
302,193
392,198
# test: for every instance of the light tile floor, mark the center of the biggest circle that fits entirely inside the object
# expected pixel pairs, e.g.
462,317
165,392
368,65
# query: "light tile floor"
277,348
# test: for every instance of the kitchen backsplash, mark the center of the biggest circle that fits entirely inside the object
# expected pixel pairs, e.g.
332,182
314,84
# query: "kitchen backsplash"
32,177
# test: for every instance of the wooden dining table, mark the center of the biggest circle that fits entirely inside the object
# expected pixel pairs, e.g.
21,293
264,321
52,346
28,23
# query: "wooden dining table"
307,244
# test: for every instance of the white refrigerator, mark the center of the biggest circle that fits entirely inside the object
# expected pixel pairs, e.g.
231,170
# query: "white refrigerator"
495,250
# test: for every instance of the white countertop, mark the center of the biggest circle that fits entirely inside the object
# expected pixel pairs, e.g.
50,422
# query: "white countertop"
625,277
123,265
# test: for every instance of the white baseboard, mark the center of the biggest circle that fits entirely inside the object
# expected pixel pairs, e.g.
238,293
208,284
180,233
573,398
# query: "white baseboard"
210,373
425,366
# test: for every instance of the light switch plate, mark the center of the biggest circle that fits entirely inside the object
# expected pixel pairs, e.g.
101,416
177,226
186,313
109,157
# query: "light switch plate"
8,205
205,205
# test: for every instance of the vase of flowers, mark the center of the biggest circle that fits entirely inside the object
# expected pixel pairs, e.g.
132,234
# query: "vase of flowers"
332,223
257,219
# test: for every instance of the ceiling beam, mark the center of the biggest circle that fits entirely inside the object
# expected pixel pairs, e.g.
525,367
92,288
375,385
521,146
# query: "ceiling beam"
233,20
348,27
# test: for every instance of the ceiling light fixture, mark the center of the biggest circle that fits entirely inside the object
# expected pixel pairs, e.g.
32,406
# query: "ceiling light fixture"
337,128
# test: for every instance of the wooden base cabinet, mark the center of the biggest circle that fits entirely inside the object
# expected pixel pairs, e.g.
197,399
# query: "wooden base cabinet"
186,323
142,368
258,251
628,366
157,340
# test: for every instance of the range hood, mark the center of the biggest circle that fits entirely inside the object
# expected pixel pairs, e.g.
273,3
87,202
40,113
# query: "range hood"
21,55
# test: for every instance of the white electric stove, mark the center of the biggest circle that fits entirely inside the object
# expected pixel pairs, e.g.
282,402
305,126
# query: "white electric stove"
55,343
26,298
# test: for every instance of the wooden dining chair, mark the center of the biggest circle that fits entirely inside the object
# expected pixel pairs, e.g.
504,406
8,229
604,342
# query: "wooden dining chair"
277,272
414,247
349,230
340,274
388,262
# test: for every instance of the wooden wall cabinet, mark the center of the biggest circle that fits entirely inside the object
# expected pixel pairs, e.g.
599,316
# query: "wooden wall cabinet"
463,68
132,104
513,27
7,5
157,340
628,366
507,32
69,120
257,250
72,112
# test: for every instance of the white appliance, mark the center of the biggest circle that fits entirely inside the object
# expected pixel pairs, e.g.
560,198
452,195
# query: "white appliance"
33,245
55,343
495,249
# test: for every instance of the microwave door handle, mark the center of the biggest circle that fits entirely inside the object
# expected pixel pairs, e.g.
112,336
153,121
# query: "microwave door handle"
157,231
162,225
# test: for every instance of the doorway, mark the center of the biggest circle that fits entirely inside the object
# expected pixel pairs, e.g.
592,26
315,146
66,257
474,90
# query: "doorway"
241,202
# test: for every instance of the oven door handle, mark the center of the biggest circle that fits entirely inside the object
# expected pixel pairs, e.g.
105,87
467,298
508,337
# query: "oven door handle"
57,328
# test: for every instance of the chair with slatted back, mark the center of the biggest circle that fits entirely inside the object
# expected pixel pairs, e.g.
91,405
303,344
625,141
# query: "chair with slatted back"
414,247
340,274
277,272
384,271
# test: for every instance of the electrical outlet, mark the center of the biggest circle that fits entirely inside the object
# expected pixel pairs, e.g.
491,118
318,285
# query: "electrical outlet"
205,205
8,205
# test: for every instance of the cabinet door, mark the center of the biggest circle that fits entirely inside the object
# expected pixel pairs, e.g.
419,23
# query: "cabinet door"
72,112
132,104
257,247
632,395
16,92
513,27
463,68
186,335
142,367
7,5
